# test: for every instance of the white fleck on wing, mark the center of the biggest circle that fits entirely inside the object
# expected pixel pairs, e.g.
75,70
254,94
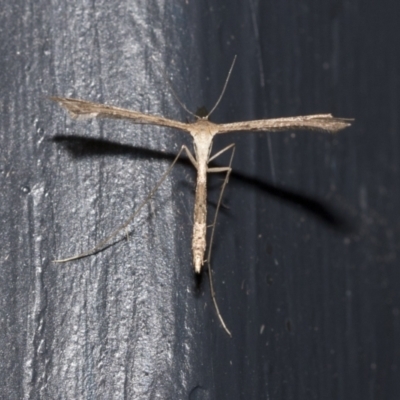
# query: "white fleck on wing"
81,109
320,122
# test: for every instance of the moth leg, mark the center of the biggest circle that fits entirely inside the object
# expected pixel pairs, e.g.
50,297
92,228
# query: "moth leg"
103,244
221,152
191,156
228,171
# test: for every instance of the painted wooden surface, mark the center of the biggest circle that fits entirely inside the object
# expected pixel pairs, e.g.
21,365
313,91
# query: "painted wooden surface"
305,254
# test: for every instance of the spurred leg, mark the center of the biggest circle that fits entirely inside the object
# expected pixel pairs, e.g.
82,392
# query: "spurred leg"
103,243
228,171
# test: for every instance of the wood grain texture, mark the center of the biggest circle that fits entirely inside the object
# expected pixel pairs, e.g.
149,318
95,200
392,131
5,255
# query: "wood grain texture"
313,307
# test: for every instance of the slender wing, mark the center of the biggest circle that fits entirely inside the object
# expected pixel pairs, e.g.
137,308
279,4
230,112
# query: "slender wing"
81,109
320,122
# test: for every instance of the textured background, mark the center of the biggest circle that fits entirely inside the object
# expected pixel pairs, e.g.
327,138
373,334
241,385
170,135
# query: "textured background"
305,255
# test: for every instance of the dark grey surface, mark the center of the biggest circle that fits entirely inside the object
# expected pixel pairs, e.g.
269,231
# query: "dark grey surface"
305,255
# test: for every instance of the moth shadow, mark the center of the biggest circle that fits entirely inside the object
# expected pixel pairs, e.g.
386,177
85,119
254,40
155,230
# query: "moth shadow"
81,147
321,210
198,284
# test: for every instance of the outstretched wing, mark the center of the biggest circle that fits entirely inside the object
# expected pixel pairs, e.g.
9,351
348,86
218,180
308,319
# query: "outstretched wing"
320,122
81,109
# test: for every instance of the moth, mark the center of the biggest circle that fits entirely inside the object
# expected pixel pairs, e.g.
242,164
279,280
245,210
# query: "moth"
203,132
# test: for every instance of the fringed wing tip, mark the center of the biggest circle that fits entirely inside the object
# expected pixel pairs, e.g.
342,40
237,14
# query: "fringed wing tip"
77,109
334,125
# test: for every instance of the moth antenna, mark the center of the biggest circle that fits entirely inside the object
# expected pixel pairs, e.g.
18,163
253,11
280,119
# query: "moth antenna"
176,96
224,88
